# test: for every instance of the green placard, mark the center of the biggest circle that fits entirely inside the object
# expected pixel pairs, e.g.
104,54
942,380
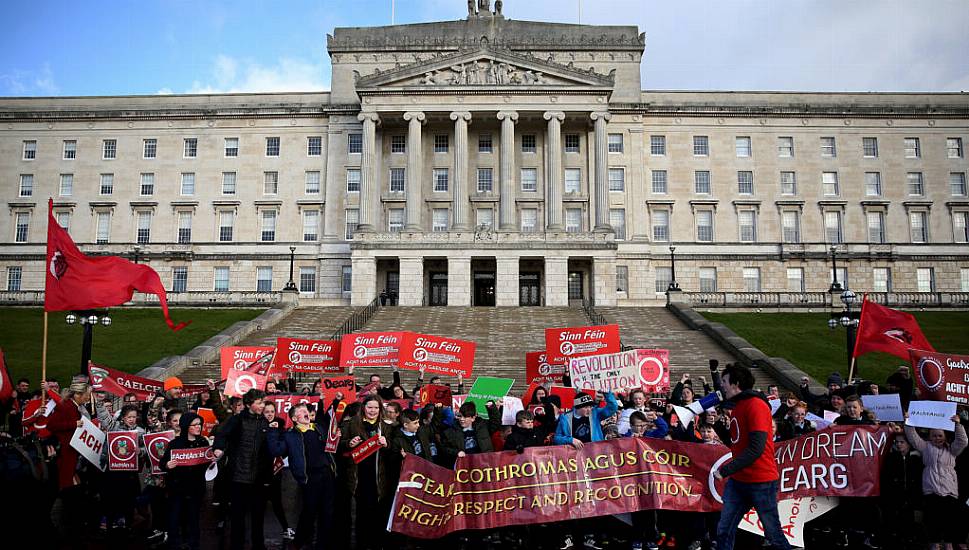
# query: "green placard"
488,388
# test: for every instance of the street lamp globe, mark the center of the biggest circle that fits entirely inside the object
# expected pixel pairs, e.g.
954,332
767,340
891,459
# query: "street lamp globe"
833,323
849,297
92,319
106,321
70,318
845,321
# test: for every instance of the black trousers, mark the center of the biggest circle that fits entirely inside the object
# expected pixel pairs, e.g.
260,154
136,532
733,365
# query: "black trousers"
247,499
317,513
184,510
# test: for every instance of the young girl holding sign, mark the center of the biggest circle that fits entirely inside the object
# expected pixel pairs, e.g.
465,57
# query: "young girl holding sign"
366,479
186,484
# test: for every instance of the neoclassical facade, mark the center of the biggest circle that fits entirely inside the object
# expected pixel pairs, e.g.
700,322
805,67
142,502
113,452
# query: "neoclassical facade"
490,161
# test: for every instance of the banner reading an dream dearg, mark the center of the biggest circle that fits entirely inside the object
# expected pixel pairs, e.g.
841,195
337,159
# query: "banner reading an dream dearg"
840,461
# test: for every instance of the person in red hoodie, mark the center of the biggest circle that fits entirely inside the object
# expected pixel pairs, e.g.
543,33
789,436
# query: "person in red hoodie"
62,422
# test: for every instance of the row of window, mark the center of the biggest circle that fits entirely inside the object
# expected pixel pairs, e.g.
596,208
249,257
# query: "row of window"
190,148
743,147
187,184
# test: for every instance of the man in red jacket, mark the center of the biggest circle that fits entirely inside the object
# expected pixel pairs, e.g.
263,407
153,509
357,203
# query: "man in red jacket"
62,422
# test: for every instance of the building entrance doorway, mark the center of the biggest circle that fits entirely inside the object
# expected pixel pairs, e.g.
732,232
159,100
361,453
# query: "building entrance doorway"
576,287
484,288
438,294
529,289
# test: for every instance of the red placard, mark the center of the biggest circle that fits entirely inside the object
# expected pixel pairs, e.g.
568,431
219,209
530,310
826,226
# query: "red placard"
365,449
297,355
563,343
567,395
333,433
941,376
208,420
437,354
458,400
330,387
654,368
123,451
239,382
240,357
539,371
285,401
371,349
435,393
193,457
155,445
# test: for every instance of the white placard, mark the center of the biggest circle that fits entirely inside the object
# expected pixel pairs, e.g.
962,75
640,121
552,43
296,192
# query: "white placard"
793,513
887,408
819,423
931,414
831,416
88,440
509,408
774,405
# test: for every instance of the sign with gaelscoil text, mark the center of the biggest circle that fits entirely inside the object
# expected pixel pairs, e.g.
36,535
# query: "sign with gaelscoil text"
240,357
437,354
299,355
941,376
123,451
538,370
565,343
371,349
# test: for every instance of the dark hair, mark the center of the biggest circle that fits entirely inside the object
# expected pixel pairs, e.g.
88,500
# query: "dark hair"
22,380
292,410
372,375
427,413
739,375
851,398
634,391
233,401
368,399
523,415
351,410
435,379
468,409
168,417
638,416
395,405
409,415
129,394
402,390
129,408
252,396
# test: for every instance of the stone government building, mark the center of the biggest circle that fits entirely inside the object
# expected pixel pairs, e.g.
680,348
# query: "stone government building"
490,161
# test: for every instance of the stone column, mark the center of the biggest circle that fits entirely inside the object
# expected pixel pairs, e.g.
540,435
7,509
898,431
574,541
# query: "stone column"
415,169
364,285
507,169
554,200
458,281
556,281
506,284
602,172
369,192
604,281
411,291
460,179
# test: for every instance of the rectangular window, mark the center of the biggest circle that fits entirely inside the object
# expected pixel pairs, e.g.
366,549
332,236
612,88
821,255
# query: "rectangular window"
913,148
615,143
869,147
829,184
22,228
353,180
745,182
701,146
26,185
876,227
311,182
957,184
264,279
485,144
395,220
221,279
64,220
485,218
622,278
272,146
486,180
184,227
14,278
190,149
529,220
953,148
571,143
314,146
873,184
307,279
311,225
660,183
398,144
440,176
179,279
842,277
617,179
107,184
791,226
881,279
708,279
268,233
960,227
144,227
30,149
785,147
832,226
67,185
228,183
103,234
352,220
747,220
657,146
188,184
573,220
704,226
701,182
828,148
109,149
529,177
925,279
664,276
617,219
914,184
528,143
795,279
439,219
573,180
231,147
398,177
788,183
147,184
751,279
441,142
355,144
70,149
661,225
964,279
347,279
919,229
270,183
226,225
743,147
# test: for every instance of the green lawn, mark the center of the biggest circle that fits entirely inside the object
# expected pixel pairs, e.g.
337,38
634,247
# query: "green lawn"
136,338
805,340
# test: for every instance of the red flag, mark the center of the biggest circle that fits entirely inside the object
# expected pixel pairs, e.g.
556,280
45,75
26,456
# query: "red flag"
76,281
6,385
889,330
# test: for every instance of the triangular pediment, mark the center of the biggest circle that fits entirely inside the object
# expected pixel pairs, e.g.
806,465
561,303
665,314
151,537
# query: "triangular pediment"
486,67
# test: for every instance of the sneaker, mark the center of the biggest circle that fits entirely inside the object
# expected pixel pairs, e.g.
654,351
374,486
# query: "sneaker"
636,545
590,543
567,544
289,534
651,546
695,545
870,543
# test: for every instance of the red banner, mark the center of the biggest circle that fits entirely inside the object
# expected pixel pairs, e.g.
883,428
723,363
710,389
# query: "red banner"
365,449
285,401
371,349
654,368
193,457
434,393
567,395
155,445
342,386
239,382
941,376
437,354
123,451
539,371
333,431
119,383
317,356
240,357
563,343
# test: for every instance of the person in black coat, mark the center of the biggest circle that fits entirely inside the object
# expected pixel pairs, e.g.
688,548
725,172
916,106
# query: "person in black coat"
470,437
411,437
186,484
523,434
901,493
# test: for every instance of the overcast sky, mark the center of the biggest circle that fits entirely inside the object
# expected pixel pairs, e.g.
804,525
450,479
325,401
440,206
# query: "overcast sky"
124,47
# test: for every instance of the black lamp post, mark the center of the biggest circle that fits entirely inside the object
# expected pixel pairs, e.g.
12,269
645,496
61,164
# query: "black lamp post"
291,285
835,285
846,317
674,287
88,319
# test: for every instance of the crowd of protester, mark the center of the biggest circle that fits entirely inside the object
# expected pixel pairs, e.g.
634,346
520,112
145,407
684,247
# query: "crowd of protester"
925,477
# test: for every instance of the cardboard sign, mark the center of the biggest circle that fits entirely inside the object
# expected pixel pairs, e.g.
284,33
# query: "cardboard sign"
794,513
88,440
509,408
941,376
887,408
123,451
437,354
434,394
620,371
931,414
192,457
239,382
342,386
458,400
539,371
240,357
365,449
209,420
488,388
155,445
333,431
316,356
565,343
371,349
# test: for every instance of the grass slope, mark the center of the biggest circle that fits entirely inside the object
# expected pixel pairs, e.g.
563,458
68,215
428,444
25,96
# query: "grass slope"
805,340
136,338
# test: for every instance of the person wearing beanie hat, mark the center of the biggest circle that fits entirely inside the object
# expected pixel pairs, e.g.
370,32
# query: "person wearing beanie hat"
822,402
186,484
173,387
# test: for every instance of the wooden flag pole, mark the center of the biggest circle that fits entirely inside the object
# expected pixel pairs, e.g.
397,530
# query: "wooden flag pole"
43,364
851,370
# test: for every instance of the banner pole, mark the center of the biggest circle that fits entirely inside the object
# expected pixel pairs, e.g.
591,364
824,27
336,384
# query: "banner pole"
851,370
43,363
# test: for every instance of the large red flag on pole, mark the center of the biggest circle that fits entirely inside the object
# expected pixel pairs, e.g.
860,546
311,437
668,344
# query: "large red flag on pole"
76,281
6,385
889,330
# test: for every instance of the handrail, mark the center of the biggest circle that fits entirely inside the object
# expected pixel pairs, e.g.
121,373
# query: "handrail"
356,321
598,319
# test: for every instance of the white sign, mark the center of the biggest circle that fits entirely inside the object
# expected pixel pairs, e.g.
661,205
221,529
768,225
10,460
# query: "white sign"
509,409
774,405
931,414
607,372
887,408
831,416
88,440
793,513
819,423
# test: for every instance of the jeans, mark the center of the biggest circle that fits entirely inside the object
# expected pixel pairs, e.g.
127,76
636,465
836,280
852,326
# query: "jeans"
738,498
